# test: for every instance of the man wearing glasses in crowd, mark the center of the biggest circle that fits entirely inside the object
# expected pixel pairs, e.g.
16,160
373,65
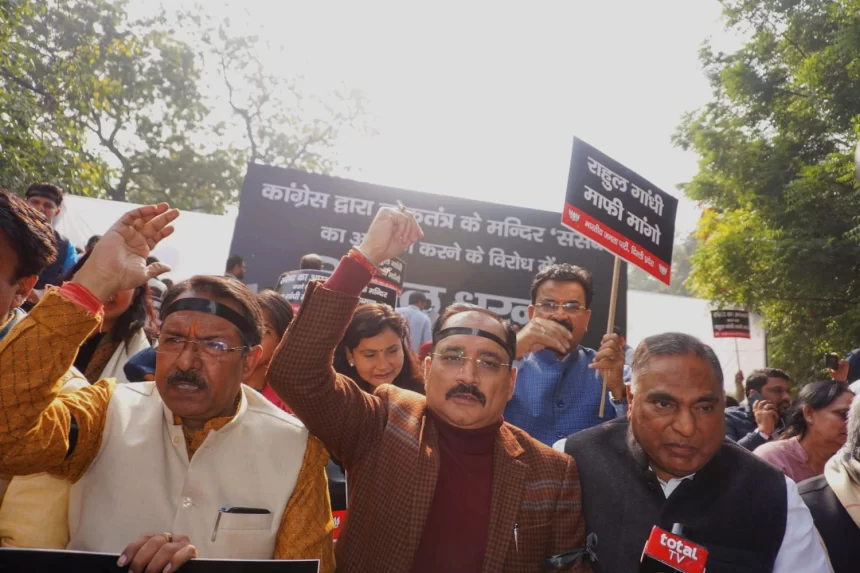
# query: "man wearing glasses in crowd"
194,463
437,482
559,382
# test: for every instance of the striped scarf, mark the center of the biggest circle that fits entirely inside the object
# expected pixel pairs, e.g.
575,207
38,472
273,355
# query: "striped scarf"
842,473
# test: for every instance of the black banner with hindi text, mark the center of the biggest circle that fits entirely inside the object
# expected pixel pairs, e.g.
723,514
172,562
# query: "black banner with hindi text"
472,251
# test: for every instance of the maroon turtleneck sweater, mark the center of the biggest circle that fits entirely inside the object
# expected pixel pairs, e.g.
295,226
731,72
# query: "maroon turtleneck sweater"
455,533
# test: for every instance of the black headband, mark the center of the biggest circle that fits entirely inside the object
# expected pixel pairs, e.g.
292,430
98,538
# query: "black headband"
211,307
45,195
455,330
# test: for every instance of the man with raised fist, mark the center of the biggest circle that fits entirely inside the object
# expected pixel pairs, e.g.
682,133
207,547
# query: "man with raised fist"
437,483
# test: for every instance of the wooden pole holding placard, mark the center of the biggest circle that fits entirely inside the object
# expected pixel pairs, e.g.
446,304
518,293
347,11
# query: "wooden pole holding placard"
738,355
610,323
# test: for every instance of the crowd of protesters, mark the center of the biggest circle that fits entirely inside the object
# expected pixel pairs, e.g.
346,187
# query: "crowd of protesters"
164,422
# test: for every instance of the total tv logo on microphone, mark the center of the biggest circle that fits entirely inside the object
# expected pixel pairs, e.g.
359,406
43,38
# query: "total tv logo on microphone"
669,553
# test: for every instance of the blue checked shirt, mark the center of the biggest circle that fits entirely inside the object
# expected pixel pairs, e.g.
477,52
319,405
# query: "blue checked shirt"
555,398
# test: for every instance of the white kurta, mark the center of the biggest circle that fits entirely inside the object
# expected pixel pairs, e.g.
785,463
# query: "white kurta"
142,481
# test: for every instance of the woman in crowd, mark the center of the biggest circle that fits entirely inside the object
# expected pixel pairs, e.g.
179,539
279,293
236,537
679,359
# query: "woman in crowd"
121,335
816,428
375,350
834,499
277,314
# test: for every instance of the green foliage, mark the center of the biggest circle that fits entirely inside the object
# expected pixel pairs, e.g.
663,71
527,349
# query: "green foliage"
782,235
109,106
39,141
638,279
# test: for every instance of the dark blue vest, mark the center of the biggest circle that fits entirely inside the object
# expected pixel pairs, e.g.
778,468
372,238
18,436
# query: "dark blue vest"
52,273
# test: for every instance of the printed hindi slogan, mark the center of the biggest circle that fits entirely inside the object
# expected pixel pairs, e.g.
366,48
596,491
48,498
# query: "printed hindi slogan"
620,210
731,323
476,252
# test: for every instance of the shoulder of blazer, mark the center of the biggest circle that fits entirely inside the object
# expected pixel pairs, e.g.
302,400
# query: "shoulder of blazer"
412,403
530,451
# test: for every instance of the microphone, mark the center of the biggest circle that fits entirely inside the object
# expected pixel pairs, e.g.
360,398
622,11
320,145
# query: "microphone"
671,553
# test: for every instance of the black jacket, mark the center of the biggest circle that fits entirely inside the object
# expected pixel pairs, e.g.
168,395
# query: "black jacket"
839,532
741,427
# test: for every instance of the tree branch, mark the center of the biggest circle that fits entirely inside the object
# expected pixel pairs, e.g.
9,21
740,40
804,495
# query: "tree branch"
308,142
26,85
243,113
843,301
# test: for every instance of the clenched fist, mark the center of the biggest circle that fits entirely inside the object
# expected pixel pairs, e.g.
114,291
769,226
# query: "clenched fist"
391,232
609,360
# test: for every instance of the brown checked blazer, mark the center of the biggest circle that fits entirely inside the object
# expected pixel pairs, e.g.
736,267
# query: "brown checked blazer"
387,443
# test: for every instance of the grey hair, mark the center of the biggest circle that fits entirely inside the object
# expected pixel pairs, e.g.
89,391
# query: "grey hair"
852,444
674,344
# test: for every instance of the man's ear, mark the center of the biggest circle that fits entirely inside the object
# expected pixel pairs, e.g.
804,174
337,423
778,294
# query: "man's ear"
531,311
427,364
513,383
25,287
250,360
629,388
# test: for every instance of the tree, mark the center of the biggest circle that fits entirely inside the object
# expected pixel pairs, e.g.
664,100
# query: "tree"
782,235
92,75
638,279
108,105
281,124
38,139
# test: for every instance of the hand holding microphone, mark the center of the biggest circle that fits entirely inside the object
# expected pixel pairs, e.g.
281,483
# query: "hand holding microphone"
671,553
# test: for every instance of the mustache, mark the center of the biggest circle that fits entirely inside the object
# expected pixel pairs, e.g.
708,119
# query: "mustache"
190,376
468,390
564,322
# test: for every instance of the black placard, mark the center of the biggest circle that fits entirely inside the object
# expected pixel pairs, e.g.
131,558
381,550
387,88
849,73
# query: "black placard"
731,323
17,559
472,251
620,210
292,286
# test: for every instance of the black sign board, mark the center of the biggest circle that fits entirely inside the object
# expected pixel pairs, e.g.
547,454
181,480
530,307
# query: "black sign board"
620,210
731,323
16,559
292,285
472,251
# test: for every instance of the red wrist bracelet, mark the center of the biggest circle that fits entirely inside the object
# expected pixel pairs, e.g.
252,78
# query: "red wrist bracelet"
356,255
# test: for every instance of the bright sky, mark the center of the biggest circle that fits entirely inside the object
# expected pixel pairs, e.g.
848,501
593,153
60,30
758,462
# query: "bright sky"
482,99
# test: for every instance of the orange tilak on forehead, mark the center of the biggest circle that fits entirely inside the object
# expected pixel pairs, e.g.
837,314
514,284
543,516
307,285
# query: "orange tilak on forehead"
192,332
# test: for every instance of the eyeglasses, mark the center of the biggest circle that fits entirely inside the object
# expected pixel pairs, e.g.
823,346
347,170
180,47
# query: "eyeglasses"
551,306
453,362
173,346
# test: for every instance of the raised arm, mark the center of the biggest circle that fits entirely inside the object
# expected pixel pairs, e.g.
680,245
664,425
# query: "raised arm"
332,406
39,429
